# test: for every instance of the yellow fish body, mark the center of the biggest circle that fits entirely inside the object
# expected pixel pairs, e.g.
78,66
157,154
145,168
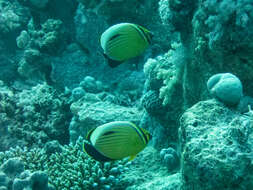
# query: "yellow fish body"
115,141
124,41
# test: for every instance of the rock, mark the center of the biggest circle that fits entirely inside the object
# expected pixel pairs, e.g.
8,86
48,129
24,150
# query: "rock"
216,146
170,158
23,39
52,147
90,112
39,3
170,182
245,103
4,180
12,167
152,103
77,93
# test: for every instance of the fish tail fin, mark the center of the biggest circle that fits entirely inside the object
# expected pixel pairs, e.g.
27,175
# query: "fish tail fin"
112,63
92,152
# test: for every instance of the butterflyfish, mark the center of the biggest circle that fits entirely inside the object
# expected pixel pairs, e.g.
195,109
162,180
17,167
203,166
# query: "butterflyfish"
124,41
115,141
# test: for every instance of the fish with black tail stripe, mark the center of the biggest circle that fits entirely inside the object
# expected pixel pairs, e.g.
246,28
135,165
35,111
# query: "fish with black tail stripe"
115,141
124,41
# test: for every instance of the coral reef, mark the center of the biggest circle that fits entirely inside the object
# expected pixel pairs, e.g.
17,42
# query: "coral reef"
152,103
223,38
164,89
170,182
227,28
89,84
152,176
179,14
58,86
48,108
216,145
169,69
12,17
50,38
39,4
209,50
7,111
245,104
33,117
14,177
170,158
38,43
71,168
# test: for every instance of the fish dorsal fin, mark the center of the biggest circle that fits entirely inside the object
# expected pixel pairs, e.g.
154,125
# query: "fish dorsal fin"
112,63
89,134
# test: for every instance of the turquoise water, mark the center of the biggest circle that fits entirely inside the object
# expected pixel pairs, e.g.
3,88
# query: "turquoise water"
180,71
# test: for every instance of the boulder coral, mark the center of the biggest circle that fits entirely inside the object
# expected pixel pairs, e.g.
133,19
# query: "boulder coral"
226,87
13,176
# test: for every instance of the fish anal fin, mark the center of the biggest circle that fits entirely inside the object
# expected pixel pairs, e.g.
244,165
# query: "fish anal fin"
131,157
112,63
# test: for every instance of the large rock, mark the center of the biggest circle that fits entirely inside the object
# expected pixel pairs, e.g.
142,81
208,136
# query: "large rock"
216,145
90,111
146,172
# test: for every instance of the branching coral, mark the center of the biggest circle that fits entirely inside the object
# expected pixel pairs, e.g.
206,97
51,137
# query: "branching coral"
70,169
170,69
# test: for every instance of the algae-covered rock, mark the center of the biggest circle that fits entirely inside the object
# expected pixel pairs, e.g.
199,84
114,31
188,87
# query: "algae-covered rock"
152,103
146,172
171,182
90,112
13,17
39,3
23,39
216,145
13,176
32,117
12,167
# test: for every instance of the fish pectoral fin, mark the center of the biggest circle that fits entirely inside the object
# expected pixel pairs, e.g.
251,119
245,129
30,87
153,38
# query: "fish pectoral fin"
112,63
131,157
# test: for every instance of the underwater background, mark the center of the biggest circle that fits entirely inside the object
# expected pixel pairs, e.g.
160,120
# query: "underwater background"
191,89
